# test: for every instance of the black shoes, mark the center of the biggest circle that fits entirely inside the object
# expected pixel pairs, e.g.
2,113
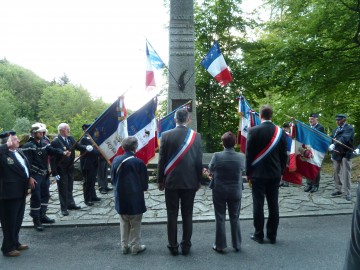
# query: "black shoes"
314,189
65,212
74,207
109,188
89,203
96,199
46,220
174,250
38,225
218,250
308,188
336,193
103,191
256,239
272,240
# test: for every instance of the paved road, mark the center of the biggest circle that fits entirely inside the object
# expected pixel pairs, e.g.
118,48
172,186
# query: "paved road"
317,242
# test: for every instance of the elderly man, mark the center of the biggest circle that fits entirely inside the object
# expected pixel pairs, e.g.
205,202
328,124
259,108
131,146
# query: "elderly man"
63,168
341,155
313,185
14,181
179,173
37,151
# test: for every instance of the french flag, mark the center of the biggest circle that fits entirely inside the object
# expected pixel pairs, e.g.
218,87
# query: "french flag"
311,146
214,63
152,59
290,173
110,128
248,119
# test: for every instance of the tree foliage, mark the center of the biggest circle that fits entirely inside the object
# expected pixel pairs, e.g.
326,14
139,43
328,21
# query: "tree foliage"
217,106
307,60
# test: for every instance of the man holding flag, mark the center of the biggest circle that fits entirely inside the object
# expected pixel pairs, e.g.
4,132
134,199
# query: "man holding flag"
179,173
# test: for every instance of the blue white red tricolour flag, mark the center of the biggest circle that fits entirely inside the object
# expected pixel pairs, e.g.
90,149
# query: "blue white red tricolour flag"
290,174
142,125
248,118
167,122
152,59
214,63
110,128
311,146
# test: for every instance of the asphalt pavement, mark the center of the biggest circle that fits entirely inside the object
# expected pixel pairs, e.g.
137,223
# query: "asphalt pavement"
304,243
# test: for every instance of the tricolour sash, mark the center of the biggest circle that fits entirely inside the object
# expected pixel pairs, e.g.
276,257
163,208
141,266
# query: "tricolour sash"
184,147
269,147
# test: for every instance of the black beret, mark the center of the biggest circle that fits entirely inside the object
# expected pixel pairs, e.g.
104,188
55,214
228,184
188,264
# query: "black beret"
85,126
315,115
340,116
6,134
285,125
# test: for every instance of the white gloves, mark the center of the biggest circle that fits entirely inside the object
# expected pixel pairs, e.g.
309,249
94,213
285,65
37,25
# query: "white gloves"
357,151
89,148
331,147
57,177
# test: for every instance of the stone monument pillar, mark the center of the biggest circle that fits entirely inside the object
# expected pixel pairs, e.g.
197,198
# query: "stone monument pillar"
182,58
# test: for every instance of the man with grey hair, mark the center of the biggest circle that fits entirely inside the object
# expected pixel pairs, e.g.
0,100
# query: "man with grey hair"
179,173
63,167
130,178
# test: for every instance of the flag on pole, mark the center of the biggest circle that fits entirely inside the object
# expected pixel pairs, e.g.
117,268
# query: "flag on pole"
152,59
310,148
167,122
214,63
290,174
105,129
248,118
142,125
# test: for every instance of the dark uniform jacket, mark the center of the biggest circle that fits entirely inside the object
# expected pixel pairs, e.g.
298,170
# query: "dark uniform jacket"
88,160
37,154
344,135
13,180
273,165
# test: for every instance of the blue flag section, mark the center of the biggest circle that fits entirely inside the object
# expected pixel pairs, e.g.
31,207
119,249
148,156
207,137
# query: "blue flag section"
168,122
154,58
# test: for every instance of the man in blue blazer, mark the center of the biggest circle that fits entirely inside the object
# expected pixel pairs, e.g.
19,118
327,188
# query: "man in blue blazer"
14,181
179,173
266,158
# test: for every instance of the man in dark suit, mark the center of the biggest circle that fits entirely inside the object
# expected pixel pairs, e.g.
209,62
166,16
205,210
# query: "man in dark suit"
89,165
63,168
313,185
14,181
179,173
341,155
266,158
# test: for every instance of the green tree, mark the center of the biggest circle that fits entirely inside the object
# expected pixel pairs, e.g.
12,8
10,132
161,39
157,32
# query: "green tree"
217,106
22,125
307,60
7,110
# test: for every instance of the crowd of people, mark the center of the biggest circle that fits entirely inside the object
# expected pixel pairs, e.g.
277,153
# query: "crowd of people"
179,176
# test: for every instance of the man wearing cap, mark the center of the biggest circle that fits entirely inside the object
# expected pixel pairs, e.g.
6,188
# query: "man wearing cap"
89,165
14,181
341,155
313,185
37,151
62,168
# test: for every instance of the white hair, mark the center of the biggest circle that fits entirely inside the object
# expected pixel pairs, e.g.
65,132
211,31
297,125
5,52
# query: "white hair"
62,126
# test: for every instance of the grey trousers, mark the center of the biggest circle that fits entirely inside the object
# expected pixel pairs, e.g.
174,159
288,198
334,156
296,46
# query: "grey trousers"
342,175
130,230
233,202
